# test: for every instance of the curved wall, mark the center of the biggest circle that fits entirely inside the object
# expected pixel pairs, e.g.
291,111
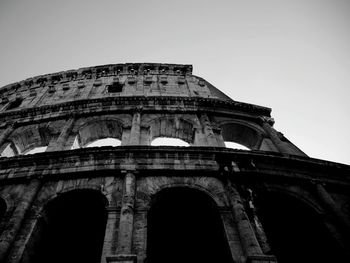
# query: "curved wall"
136,103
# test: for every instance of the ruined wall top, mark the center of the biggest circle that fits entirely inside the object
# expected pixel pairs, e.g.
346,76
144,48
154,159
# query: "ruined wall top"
116,80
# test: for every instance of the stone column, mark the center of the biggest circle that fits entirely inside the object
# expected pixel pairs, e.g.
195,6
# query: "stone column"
250,244
135,128
249,241
111,233
140,234
21,248
58,145
13,226
126,223
331,206
257,225
282,147
6,133
208,130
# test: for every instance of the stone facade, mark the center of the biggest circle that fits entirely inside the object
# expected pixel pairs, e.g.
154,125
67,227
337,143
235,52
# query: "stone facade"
136,103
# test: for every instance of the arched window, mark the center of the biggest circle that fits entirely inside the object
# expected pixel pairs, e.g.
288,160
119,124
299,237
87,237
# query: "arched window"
36,150
71,230
14,104
166,141
105,142
233,145
3,209
184,225
108,132
295,232
240,134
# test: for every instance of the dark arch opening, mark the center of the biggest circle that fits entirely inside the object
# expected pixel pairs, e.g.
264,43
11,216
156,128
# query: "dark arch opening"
14,104
71,230
3,209
241,134
295,232
184,225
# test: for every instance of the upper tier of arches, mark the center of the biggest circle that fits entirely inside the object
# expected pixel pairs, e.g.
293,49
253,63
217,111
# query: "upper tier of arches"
121,130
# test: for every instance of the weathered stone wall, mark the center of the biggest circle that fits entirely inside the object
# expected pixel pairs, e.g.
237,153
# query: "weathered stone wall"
136,103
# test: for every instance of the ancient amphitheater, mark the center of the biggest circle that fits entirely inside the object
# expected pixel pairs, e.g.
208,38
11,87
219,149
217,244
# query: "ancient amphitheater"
63,200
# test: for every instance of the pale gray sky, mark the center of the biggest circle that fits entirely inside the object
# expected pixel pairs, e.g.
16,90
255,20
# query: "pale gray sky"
292,56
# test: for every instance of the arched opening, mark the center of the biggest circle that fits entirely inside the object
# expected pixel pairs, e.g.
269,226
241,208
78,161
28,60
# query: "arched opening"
167,141
107,132
184,225
241,135
295,232
71,230
237,146
31,139
35,150
3,209
171,128
104,142
14,104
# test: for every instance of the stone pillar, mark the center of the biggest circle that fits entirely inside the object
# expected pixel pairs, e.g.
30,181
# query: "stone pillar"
19,253
6,133
249,242
208,130
126,223
282,147
257,225
331,206
135,128
111,233
247,236
58,145
140,234
13,226
219,138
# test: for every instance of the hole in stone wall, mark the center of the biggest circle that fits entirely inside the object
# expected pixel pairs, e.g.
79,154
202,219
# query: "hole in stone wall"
295,232
14,104
234,145
3,209
105,142
240,134
166,141
71,230
184,225
35,150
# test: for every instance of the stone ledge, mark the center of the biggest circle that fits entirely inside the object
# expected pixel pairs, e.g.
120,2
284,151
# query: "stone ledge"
262,259
212,161
125,258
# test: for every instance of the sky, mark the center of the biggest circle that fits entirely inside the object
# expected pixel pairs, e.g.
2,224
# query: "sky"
292,56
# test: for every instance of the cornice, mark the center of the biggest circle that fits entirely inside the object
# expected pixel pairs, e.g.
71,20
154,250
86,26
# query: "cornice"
104,70
259,165
109,105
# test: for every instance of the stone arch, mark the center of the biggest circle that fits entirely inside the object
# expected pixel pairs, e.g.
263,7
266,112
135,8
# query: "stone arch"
96,184
71,227
208,185
298,193
185,222
243,133
29,137
295,227
172,127
100,128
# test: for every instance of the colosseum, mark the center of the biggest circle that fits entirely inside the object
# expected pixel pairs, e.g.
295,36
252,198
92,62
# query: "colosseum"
83,177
